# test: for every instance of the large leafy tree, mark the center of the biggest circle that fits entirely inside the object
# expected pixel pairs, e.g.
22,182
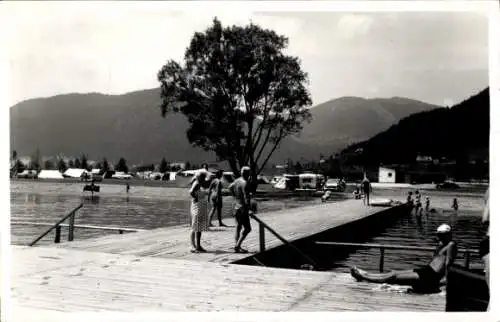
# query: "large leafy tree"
240,92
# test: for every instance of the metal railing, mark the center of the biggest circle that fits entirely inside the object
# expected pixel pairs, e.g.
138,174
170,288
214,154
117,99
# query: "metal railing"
120,230
383,247
57,227
262,240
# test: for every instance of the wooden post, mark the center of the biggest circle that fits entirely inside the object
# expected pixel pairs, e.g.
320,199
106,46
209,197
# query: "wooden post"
71,227
57,240
381,264
120,231
262,238
467,259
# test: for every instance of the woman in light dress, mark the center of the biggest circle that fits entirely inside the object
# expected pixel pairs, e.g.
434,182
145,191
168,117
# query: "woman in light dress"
199,211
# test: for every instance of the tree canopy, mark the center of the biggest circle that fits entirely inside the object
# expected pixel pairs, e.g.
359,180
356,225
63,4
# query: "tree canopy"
122,165
240,92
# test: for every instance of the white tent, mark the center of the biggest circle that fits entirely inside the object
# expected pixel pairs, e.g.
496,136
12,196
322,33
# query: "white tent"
50,174
75,173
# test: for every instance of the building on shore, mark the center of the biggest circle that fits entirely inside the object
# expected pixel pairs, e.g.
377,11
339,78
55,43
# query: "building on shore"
386,175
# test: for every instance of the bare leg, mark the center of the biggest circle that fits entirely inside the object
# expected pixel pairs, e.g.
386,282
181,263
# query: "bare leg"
368,199
198,242
219,214
238,230
408,277
244,234
193,244
211,215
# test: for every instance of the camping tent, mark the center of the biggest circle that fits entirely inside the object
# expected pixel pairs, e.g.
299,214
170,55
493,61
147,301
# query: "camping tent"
50,174
75,173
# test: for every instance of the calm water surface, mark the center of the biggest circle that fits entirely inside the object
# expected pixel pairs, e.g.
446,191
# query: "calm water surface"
467,228
143,208
153,207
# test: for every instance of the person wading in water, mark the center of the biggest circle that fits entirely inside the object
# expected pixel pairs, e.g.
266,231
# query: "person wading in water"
240,189
425,279
215,195
367,189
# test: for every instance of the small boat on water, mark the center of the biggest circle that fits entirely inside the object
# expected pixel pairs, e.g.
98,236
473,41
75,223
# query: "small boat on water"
381,202
91,188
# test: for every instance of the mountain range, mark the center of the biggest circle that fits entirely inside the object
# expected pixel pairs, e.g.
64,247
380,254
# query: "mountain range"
131,126
460,133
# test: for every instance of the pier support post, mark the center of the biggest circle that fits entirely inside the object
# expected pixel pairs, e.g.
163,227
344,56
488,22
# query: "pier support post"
381,264
467,259
71,227
262,238
57,240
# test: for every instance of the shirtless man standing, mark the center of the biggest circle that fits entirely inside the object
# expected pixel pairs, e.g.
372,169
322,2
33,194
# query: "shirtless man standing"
240,189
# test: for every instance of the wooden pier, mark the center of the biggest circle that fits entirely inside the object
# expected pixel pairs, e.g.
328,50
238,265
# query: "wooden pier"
72,280
155,271
173,242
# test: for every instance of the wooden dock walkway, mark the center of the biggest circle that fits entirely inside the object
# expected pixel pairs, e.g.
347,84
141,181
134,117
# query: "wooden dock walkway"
68,280
173,242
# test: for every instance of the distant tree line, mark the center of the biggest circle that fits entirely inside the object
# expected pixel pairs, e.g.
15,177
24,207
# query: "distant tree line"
59,163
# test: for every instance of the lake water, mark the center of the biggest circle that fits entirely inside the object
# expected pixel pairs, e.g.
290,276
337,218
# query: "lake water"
142,208
153,207
467,226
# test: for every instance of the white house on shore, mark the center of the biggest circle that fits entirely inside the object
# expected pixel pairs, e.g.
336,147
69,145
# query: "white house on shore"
386,175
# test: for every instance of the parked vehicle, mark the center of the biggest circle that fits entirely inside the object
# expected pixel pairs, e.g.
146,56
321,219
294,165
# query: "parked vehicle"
310,181
447,185
334,184
28,174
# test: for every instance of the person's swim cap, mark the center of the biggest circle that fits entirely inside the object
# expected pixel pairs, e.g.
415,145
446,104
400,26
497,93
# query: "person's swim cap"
443,229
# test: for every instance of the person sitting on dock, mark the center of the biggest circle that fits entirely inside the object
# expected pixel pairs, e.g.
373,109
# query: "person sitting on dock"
424,279
356,193
215,195
326,196
240,189
367,189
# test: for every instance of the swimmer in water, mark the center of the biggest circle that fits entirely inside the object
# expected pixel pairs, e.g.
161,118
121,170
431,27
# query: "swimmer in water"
425,279
418,201
409,200
455,204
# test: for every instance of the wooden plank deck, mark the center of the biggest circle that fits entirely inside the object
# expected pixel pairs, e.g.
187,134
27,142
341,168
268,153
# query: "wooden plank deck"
67,280
173,242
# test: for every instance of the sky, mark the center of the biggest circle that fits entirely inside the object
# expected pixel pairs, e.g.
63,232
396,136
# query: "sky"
436,57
